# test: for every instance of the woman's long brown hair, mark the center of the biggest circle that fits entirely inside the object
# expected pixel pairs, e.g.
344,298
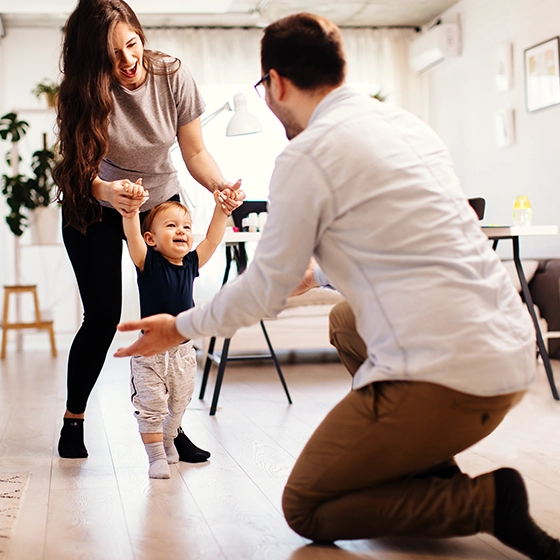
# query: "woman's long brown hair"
85,102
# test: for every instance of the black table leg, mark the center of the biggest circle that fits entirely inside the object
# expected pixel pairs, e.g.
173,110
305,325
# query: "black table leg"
529,302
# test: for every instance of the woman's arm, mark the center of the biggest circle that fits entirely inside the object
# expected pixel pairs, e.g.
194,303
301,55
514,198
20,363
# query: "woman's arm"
202,166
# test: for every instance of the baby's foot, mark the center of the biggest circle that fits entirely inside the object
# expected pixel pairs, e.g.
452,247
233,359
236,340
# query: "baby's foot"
172,454
158,460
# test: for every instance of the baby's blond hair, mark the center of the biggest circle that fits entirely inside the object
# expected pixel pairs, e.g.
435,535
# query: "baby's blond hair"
150,217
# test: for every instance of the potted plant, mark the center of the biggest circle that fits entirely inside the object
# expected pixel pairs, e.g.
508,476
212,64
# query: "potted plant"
49,89
24,194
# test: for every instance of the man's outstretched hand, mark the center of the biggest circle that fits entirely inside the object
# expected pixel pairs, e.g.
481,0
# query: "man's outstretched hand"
308,281
159,334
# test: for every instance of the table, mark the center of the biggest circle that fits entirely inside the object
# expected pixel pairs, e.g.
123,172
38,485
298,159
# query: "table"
235,248
495,233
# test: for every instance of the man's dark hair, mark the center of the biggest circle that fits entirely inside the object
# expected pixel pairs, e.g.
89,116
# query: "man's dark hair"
305,48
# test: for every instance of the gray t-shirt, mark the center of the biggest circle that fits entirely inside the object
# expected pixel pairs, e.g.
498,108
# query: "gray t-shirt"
143,127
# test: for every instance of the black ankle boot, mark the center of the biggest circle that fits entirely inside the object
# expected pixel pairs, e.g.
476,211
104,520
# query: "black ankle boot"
188,451
513,525
71,442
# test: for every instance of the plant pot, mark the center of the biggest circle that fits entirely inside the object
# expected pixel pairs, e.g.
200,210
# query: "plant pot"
51,99
45,225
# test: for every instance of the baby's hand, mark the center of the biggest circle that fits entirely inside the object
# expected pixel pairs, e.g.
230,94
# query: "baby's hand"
134,190
235,196
221,198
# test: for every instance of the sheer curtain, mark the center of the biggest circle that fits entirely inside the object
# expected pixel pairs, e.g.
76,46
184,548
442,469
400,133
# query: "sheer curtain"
214,56
377,58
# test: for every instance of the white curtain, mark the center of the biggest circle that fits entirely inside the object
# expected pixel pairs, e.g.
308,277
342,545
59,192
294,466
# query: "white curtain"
214,56
377,58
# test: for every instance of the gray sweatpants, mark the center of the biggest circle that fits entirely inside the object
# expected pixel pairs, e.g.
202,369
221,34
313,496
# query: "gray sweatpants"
161,388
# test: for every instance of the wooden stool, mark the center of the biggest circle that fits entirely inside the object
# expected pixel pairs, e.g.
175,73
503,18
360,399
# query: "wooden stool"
38,324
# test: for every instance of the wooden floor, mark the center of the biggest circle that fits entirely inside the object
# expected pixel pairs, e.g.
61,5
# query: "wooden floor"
106,508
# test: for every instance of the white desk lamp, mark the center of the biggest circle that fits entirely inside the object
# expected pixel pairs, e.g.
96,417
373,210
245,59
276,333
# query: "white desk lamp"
242,121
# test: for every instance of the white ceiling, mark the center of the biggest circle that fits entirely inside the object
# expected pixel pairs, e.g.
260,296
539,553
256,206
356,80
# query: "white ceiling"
237,13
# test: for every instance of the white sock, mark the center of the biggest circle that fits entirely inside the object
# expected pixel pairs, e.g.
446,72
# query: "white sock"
172,454
158,460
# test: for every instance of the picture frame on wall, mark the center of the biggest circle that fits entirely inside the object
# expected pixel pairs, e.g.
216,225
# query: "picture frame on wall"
542,75
504,67
504,127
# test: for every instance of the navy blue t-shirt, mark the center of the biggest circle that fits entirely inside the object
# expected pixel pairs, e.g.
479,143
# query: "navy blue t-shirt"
165,287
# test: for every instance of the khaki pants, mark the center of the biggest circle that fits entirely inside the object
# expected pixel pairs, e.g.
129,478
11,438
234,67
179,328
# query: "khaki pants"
373,467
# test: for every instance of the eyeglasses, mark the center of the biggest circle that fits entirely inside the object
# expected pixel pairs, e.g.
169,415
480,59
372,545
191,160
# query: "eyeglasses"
259,86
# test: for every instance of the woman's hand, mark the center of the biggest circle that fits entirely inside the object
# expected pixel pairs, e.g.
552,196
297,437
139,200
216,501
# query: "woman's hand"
126,197
233,196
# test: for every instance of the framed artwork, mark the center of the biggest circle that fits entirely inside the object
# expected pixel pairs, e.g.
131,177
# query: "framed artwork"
542,75
504,67
504,125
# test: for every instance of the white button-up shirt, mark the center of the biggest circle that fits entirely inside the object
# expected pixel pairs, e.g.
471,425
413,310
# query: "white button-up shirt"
370,191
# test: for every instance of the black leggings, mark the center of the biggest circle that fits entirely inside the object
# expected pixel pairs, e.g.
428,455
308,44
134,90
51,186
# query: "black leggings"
96,259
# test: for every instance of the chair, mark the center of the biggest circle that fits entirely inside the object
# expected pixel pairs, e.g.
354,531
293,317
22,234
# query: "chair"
479,205
236,252
37,324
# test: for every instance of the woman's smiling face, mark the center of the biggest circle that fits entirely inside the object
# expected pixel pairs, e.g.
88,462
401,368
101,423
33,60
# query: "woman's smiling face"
129,57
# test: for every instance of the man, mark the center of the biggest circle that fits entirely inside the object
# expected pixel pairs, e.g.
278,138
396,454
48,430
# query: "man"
447,347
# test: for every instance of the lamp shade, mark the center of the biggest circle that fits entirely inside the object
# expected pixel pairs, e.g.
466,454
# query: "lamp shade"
242,121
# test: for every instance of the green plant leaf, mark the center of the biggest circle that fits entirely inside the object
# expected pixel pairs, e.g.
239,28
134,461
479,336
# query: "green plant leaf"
21,192
379,95
15,222
46,86
11,127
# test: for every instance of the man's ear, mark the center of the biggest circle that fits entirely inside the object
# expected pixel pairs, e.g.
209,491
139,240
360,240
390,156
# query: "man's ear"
149,239
277,84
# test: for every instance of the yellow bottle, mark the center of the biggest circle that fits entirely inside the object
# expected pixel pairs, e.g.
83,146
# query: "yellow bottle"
522,211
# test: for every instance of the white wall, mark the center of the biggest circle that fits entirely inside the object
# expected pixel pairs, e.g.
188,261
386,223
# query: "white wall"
463,100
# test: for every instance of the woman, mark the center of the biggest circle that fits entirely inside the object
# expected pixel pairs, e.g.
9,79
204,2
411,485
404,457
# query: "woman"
120,108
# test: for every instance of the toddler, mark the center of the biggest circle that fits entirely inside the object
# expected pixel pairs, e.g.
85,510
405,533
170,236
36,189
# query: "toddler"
162,385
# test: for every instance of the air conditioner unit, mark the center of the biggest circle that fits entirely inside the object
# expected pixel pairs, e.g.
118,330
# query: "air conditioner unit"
434,46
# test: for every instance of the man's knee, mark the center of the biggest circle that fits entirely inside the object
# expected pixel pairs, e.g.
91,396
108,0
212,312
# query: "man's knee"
304,516
341,317
299,517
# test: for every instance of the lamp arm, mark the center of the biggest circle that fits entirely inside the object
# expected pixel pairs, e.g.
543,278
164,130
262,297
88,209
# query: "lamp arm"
225,107
204,121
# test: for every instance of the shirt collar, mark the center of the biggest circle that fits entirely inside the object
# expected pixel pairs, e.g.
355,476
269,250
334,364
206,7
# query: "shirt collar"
331,99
